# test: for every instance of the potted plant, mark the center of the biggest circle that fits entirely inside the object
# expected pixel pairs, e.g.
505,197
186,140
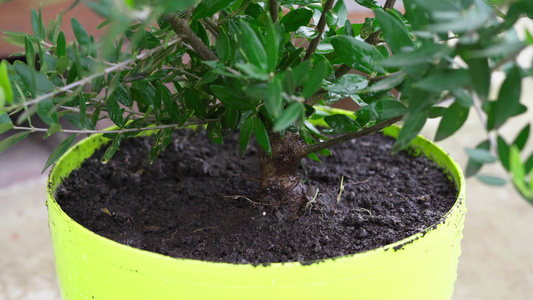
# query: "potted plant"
230,70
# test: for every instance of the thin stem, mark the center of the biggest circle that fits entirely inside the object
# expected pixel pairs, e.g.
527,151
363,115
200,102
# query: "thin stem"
126,130
273,6
320,28
84,81
351,135
389,4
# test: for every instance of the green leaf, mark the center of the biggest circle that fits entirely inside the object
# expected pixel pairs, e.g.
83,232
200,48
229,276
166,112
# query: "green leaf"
273,102
122,96
114,111
5,85
380,110
409,131
463,97
521,140
33,80
296,18
47,112
473,166
518,171
492,180
341,123
214,132
503,152
54,128
272,46
194,102
348,84
508,100
5,123
110,151
395,32
252,47
246,133
357,54
30,53
289,116
480,74
480,155
424,54
448,80
262,136
314,81
368,3
59,151
223,46
387,83
11,140
230,98
209,7
81,34
453,119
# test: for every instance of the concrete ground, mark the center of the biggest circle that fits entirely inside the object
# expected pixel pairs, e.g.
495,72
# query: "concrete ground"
497,249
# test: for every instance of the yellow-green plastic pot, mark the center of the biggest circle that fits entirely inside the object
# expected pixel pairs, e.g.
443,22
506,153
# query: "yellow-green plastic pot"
92,267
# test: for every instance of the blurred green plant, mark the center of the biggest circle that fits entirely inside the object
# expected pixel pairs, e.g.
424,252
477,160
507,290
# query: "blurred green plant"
268,68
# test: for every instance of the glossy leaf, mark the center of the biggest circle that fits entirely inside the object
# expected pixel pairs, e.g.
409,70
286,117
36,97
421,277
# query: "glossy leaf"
348,84
341,123
11,140
30,53
262,136
61,45
380,110
453,119
296,18
387,83
246,133
424,54
357,54
368,3
395,32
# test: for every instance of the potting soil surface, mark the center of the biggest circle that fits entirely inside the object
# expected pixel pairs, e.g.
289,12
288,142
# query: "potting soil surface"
202,201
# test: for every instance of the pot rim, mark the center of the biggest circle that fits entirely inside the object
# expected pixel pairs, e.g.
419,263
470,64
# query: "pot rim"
419,146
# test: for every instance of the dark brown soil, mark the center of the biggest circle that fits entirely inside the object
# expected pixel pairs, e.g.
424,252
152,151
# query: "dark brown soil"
199,200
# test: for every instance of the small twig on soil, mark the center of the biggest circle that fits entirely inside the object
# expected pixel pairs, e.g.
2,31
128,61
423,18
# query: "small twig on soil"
341,189
310,203
206,228
366,210
235,197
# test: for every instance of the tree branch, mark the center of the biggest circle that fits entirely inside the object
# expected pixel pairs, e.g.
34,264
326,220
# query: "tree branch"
274,10
185,32
373,38
389,4
351,135
320,27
